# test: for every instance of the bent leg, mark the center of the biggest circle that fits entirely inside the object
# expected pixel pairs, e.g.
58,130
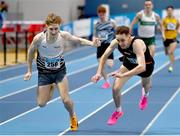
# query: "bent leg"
53,86
68,104
118,84
146,83
172,48
44,94
104,74
152,50
64,92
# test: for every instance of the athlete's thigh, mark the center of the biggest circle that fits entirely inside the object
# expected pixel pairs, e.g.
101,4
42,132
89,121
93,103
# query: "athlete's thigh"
166,49
152,49
43,92
119,82
172,47
63,88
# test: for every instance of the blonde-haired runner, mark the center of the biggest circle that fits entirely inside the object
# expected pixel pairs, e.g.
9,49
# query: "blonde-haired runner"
51,65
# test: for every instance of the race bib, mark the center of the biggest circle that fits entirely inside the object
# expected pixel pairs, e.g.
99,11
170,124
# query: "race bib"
53,63
103,35
132,60
171,26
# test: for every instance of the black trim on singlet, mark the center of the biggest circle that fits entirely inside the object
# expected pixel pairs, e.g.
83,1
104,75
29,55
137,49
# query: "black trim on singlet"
130,60
42,69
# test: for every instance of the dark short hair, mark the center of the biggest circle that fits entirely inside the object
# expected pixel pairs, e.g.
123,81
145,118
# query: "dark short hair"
170,6
122,30
148,0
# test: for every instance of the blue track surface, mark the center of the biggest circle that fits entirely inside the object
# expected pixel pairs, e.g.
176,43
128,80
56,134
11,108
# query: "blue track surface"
19,114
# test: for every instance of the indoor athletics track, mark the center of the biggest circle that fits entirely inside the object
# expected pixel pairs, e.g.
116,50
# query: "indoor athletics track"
19,114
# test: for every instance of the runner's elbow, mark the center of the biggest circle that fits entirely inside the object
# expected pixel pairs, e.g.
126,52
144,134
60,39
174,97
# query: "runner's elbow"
142,68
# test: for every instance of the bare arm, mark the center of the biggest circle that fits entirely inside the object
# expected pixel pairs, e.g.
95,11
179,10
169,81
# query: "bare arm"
160,23
178,25
138,48
94,31
83,41
95,37
104,57
163,29
114,24
31,52
135,21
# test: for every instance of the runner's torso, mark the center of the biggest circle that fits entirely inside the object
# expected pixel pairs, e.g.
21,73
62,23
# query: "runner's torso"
105,31
50,55
130,56
146,26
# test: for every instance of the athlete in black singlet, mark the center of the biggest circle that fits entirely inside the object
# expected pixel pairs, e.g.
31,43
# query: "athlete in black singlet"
136,61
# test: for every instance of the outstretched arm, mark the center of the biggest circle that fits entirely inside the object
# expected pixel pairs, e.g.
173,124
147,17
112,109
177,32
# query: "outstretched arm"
83,41
103,59
163,29
177,28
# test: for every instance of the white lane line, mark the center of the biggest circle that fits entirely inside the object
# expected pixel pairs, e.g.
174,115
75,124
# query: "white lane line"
124,92
23,65
103,106
72,73
19,91
160,112
35,108
34,72
81,59
28,88
22,114
15,77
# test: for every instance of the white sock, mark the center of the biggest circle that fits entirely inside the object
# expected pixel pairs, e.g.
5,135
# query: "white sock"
146,94
107,80
119,109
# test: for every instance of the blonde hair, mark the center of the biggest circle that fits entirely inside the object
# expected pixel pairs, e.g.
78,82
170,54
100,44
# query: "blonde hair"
53,19
101,9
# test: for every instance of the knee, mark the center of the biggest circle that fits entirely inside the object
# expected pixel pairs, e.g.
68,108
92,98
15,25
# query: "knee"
66,101
115,91
41,103
170,52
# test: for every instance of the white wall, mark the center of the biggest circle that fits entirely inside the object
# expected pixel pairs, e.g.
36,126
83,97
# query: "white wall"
38,9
